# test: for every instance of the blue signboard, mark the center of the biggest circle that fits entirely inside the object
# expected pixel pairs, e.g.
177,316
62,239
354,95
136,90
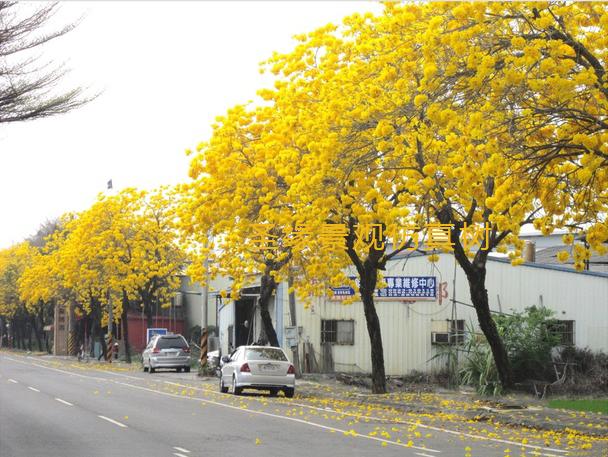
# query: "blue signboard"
343,291
397,287
154,331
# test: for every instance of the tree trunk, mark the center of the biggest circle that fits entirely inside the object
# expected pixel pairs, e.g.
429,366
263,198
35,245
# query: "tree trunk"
43,333
367,287
102,341
476,276
147,304
125,326
28,330
13,334
96,326
16,334
36,332
267,287
92,335
46,342
23,334
4,336
20,332
479,297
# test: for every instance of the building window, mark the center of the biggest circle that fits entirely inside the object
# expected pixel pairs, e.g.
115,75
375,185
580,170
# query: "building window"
457,331
564,330
338,332
448,331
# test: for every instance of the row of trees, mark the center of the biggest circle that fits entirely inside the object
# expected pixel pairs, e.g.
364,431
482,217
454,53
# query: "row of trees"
28,91
459,114
122,251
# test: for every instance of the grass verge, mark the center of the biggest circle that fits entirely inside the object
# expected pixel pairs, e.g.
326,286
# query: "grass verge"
596,405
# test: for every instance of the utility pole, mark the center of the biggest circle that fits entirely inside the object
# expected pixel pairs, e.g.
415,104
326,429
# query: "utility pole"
205,319
293,322
110,344
205,312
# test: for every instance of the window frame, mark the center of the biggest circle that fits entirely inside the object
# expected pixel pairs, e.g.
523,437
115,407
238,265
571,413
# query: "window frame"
568,334
334,332
457,333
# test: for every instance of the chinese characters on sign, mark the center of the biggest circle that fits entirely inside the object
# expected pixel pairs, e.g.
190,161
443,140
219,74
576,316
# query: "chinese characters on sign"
397,287
264,237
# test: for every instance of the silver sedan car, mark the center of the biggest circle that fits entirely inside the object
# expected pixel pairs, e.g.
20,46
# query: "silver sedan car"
167,351
258,367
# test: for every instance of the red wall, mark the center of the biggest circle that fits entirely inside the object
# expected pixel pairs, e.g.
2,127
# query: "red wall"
137,328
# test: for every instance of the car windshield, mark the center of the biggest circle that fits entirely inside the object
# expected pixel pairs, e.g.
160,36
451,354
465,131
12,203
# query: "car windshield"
171,343
265,354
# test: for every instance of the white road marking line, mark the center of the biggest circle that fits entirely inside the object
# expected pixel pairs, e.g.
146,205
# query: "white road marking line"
437,429
181,449
64,402
60,371
423,455
120,374
177,454
13,381
112,421
33,388
468,435
95,369
276,416
397,421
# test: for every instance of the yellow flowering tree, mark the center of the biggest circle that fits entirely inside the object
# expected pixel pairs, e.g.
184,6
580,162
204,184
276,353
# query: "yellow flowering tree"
350,188
526,84
121,251
13,261
238,216
551,82
40,284
430,94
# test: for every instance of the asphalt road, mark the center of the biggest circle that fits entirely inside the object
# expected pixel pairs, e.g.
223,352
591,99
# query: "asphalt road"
58,410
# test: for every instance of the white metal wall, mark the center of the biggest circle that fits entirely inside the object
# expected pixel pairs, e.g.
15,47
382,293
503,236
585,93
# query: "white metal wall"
406,328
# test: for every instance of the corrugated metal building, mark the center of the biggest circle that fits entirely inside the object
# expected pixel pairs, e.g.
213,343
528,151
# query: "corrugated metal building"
413,331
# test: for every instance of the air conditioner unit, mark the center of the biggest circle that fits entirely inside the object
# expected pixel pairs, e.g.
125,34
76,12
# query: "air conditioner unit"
440,337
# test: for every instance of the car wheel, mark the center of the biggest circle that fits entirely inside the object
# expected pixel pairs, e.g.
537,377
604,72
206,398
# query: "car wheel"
145,369
151,369
289,391
223,388
274,392
187,369
236,390
178,369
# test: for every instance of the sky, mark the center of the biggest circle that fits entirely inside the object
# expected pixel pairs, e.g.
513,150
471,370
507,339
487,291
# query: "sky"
164,72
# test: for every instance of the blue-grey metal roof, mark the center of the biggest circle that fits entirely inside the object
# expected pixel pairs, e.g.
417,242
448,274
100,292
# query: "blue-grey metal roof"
544,266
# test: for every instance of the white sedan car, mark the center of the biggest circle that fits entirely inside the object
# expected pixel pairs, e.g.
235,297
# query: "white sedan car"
258,367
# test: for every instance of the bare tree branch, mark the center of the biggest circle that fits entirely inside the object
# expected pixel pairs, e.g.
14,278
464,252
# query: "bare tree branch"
28,87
